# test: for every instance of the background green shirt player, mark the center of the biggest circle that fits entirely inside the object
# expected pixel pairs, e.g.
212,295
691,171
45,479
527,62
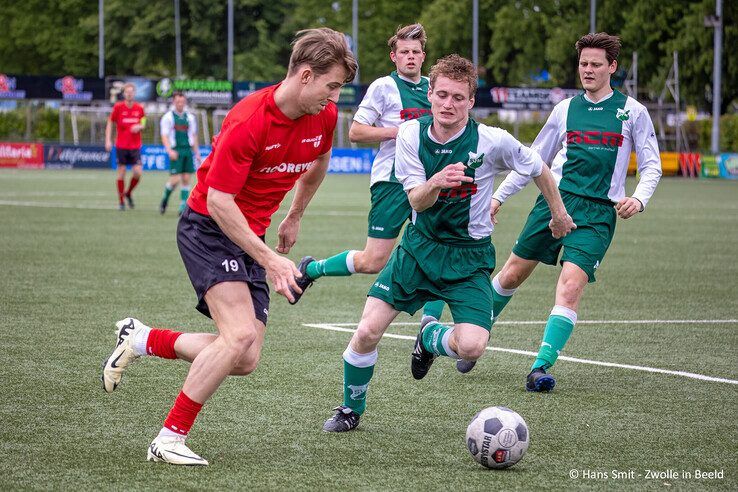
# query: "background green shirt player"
390,100
179,136
446,163
587,141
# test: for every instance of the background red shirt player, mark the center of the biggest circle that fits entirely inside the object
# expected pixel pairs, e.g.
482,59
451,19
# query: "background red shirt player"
274,140
129,120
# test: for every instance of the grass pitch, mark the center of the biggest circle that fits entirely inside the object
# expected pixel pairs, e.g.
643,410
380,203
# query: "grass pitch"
72,265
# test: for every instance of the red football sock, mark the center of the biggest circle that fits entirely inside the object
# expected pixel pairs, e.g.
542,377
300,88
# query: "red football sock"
121,190
132,184
161,343
183,414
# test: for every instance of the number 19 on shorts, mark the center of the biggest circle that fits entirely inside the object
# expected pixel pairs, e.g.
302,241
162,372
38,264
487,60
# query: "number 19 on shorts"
230,265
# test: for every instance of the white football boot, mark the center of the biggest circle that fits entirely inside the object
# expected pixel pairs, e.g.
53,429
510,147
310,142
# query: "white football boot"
123,353
173,450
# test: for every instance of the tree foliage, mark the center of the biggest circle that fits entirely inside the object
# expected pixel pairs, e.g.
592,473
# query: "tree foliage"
517,38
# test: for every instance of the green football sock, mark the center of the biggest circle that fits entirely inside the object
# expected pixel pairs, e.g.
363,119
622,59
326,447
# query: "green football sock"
167,193
433,309
435,339
357,372
184,193
500,298
558,329
340,265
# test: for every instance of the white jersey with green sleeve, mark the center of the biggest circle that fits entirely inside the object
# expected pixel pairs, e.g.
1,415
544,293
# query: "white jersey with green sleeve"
388,102
588,146
461,214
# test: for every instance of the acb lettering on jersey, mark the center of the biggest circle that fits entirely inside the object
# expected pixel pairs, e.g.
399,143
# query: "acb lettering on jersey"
413,113
461,192
608,139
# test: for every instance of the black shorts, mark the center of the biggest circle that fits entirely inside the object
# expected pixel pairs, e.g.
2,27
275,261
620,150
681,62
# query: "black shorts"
210,258
127,157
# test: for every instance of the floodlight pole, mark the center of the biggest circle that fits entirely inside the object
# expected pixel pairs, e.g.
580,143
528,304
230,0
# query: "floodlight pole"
475,32
716,76
101,39
592,15
230,40
177,40
355,34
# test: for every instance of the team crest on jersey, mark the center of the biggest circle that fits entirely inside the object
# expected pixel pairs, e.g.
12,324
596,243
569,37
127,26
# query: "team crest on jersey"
475,160
623,114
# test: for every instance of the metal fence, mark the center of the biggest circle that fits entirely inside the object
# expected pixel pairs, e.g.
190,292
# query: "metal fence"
86,124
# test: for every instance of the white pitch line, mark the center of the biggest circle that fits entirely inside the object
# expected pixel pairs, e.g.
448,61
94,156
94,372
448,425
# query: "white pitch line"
691,375
595,322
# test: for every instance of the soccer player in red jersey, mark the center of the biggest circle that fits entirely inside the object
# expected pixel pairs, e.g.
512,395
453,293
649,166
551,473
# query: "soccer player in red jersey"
273,140
129,120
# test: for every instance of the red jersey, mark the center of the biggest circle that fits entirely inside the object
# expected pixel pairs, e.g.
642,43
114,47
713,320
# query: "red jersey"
125,117
259,154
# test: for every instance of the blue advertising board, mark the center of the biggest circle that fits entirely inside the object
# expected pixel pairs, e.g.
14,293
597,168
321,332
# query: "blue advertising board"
352,161
63,156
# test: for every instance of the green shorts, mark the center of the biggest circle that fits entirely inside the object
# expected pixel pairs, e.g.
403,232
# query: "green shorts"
390,209
585,246
421,269
184,164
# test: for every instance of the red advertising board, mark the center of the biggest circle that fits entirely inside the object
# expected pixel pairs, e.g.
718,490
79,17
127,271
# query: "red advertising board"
21,155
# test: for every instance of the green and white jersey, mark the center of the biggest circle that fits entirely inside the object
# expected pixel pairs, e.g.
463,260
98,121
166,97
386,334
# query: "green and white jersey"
388,102
588,147
181,129
461,214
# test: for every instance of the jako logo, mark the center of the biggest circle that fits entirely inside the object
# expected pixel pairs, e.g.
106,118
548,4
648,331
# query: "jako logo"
315,141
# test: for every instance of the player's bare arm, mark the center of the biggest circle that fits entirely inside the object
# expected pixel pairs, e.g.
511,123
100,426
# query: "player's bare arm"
494,207
173,154
424,196
561,223
109,135
280,270
361,133
304,191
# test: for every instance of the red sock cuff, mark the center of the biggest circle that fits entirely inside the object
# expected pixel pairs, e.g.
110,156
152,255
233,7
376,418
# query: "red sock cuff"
161,343
183,414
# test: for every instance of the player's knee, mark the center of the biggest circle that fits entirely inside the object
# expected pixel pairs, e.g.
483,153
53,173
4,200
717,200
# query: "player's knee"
511,278
372,264
368,336
570,290
470,349
241,341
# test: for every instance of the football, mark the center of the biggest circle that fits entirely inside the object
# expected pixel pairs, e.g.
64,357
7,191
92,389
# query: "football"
497,437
